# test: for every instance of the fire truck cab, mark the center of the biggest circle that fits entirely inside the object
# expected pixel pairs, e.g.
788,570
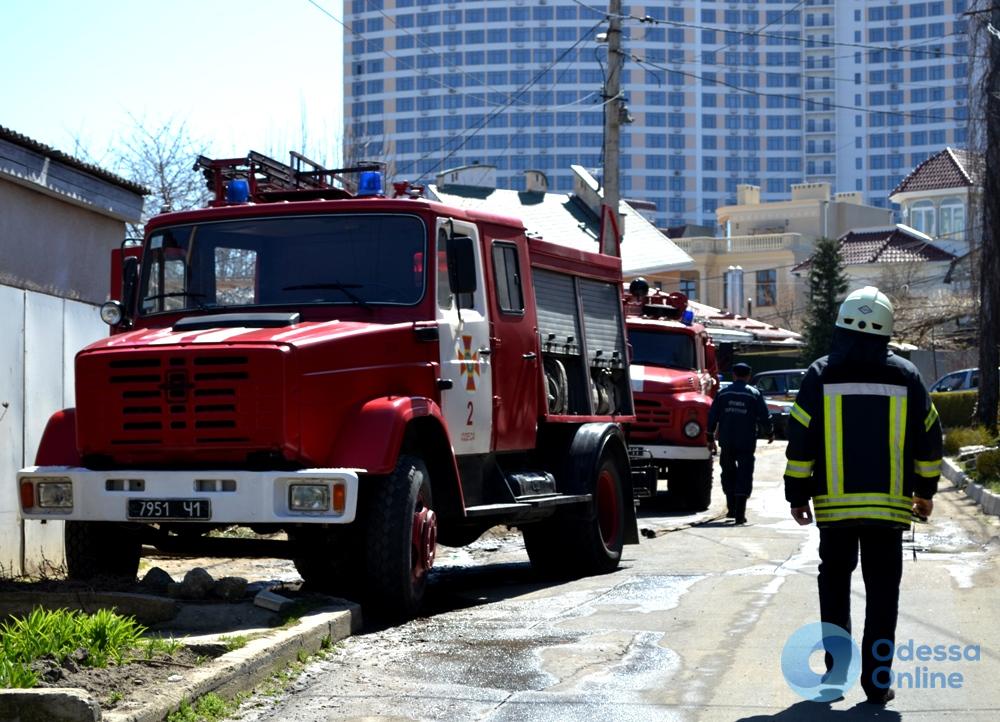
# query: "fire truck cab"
674,375
371,375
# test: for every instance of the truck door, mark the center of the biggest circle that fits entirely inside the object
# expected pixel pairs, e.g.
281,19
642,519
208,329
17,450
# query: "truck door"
465,350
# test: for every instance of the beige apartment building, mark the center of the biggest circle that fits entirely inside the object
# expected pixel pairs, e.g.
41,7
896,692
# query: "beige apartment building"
768,240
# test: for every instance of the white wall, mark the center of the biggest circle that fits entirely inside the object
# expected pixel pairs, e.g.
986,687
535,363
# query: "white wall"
41,335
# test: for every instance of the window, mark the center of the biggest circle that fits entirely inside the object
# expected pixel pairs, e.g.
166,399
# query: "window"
922,217
507,273
952,221
767,287
689,287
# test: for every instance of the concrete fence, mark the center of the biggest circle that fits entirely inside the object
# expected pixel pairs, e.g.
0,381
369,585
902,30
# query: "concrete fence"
40,337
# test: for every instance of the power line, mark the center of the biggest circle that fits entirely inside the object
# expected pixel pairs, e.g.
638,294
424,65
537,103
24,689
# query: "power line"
524,88
822,106
809,41
766,26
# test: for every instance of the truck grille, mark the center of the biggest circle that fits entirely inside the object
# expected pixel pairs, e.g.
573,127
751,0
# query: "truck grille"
651,417
181,399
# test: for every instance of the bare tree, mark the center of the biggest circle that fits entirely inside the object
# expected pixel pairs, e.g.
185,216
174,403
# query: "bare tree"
161,157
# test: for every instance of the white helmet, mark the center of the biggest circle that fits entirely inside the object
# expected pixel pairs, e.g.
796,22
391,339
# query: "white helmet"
867,310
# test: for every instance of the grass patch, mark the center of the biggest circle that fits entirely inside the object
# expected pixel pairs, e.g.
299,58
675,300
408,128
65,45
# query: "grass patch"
234,643
95,640
209,708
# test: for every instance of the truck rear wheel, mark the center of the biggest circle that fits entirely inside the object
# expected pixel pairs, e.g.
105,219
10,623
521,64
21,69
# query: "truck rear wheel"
101,549
691,482
402,539
567,545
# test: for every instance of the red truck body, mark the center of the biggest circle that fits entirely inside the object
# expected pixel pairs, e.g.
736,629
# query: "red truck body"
369,374
674,376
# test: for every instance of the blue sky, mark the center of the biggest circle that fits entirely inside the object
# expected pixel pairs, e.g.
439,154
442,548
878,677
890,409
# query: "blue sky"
243,75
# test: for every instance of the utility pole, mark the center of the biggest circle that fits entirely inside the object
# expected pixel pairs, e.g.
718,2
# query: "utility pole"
611,221
989,260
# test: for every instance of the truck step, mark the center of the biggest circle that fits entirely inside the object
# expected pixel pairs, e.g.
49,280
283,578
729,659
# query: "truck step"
526,503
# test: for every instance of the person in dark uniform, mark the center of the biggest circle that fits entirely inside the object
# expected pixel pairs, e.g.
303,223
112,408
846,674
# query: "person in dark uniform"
864,444
737,411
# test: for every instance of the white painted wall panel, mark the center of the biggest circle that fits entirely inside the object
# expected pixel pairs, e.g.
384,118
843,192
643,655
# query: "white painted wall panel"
43,395
11,425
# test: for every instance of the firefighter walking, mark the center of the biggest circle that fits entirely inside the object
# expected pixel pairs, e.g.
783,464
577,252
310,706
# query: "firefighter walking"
864,444
737,411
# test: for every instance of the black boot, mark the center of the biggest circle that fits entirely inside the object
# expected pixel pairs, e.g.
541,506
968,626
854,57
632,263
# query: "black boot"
730,507
741,509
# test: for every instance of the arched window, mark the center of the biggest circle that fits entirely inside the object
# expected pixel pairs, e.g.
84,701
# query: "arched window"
922,217
951,226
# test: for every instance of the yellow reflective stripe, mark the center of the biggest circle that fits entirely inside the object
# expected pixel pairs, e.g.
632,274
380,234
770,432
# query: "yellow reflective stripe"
928,469
833,429
897,438
799,469
825,500
800,415
903,517
932,416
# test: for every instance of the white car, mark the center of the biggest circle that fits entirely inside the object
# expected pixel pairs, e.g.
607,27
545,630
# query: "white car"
963,380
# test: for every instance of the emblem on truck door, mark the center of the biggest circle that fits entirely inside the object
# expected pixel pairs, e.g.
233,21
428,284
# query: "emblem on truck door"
470,361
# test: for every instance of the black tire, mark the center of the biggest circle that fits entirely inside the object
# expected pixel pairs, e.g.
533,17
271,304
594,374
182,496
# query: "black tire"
564,546
691,483
397,563
328,559
101,549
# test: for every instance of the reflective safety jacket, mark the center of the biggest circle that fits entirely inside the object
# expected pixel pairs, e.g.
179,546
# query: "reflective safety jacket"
862,439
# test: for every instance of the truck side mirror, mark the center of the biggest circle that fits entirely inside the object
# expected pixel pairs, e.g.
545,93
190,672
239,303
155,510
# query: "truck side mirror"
119,313
461,265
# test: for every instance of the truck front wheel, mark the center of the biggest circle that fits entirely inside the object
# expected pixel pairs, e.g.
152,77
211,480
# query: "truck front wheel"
402,539
101,549
691,482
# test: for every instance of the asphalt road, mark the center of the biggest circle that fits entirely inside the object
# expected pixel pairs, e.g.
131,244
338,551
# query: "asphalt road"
691,627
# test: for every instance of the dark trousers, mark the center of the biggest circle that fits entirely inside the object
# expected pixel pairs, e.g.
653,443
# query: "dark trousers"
882,568
737,471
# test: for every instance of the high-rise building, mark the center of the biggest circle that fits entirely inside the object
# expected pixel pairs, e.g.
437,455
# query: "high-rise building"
769,93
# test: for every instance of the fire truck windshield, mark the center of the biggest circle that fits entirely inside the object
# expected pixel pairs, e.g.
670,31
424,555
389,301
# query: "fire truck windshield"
672,350
291,260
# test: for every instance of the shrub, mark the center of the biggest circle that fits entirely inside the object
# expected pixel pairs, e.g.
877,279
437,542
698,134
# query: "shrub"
955,408
988,466
955,439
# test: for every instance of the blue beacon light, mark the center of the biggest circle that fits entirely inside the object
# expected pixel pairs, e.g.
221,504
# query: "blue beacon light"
687,318
370,183
238,191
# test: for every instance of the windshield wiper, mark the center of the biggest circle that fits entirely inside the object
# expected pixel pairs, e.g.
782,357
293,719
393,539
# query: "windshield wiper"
179,294
342,287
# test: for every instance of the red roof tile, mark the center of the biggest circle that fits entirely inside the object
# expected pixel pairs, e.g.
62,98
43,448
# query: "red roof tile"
951,168
887,245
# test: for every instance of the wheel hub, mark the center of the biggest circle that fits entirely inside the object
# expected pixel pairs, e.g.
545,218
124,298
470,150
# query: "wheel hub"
424,541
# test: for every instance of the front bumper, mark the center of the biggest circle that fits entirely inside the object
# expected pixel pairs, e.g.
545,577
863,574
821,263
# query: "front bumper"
679,453
233,497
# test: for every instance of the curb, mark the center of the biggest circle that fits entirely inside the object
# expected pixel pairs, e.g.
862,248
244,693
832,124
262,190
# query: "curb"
988,500
237,671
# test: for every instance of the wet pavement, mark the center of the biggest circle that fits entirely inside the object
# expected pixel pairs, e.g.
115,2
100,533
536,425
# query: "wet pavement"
691,627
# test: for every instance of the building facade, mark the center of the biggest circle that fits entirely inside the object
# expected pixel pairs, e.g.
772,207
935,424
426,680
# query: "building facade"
853,93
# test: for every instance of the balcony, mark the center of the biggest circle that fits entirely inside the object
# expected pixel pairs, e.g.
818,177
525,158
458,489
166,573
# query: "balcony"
740,244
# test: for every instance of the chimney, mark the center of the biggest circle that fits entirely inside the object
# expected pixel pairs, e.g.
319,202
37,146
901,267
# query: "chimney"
535,181
853,197
747,195
811,191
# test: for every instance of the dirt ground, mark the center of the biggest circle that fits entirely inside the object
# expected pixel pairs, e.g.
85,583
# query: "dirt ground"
123,687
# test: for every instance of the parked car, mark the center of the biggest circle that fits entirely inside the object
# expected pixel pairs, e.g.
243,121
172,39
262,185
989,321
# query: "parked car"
779,411
782,385
963,380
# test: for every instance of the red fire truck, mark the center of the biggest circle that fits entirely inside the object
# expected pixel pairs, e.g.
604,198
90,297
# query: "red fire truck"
674,376
372,375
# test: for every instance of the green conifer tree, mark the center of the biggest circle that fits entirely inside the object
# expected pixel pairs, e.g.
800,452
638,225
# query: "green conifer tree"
827,287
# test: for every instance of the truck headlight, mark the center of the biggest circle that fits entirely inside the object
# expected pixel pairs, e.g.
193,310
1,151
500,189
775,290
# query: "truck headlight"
692,429
111,313
309,497
55,494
